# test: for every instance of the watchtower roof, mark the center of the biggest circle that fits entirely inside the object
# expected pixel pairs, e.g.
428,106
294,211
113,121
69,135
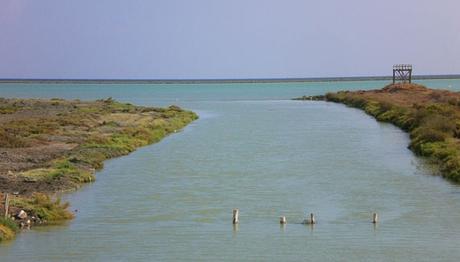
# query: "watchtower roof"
402,67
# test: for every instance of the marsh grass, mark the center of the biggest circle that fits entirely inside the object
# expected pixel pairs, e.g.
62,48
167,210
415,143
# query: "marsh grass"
8,229
44,207
6,233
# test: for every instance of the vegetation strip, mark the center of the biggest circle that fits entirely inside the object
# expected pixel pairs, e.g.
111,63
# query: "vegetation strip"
49,146
432,118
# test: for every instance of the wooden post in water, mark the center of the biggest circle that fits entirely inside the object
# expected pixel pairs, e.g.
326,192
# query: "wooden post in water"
310,221
375,218
7,204
236,214
283,220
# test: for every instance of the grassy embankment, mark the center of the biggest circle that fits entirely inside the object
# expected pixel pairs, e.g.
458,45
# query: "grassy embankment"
8,229
42,209
55,145
432,118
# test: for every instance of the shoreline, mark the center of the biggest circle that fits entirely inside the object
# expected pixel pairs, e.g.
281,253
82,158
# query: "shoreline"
430,116
217,81
52,146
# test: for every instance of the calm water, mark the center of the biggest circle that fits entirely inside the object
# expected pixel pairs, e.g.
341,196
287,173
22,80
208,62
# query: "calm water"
253,149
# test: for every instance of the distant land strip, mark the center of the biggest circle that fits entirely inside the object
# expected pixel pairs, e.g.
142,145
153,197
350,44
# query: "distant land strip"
217,81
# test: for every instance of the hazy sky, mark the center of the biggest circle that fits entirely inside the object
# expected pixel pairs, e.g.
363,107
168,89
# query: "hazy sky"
226,39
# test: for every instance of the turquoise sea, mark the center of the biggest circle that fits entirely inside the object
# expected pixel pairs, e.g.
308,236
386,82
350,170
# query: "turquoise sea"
254,149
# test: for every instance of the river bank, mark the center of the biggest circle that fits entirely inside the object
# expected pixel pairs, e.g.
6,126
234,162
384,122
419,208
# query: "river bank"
431,117
51,146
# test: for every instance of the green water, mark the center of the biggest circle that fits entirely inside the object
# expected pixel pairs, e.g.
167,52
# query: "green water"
255,150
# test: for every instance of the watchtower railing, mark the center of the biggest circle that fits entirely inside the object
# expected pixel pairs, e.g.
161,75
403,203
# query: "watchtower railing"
402,73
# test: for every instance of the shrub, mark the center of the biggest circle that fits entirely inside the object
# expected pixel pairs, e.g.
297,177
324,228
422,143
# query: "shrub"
422,136
440,123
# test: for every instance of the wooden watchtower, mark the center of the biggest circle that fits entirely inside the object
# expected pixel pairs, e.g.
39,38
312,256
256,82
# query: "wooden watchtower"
402,73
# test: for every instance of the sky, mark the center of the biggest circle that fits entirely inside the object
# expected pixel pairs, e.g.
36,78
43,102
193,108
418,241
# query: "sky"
197,39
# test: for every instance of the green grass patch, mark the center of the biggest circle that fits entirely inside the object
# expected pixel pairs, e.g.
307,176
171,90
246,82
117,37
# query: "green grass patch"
8,109
45,208
6,233
60,169
8,229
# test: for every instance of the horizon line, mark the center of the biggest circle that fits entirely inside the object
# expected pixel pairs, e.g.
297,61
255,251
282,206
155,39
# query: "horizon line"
222,80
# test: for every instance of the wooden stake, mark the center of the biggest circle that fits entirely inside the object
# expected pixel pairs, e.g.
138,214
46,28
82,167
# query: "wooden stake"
283,220
311,220
236,214
6,205
375,218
